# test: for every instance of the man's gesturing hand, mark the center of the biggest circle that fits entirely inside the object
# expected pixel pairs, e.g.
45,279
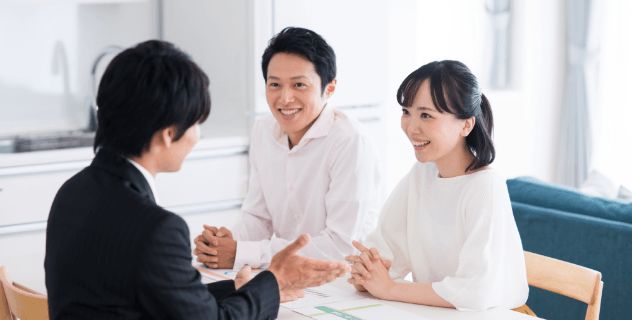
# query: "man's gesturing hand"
243,276
297,272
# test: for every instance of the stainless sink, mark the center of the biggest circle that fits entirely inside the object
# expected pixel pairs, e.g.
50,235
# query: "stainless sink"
46,141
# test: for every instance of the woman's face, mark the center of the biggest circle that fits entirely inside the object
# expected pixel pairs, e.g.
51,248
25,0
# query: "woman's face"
435,136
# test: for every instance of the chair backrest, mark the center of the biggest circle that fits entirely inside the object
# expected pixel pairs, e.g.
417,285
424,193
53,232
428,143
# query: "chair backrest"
571,280
19,301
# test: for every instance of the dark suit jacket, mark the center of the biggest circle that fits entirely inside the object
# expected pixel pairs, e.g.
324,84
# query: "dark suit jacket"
112,253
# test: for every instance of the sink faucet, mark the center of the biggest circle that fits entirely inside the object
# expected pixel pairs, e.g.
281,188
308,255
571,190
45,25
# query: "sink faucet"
60,65
91,100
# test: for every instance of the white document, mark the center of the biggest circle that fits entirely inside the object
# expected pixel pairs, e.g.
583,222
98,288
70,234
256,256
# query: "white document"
358,309
220,274
320,295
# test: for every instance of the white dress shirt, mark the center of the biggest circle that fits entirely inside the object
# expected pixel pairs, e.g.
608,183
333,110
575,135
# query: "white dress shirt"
326,186
458,234
150,179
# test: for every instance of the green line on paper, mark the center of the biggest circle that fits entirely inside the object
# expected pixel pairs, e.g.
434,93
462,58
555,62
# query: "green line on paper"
337,313
363,307
373,305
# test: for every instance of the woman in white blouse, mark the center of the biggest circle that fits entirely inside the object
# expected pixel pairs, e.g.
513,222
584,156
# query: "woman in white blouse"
449,221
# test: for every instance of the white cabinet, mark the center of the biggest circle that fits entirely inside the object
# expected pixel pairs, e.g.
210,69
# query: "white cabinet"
205,177
27,192
23,255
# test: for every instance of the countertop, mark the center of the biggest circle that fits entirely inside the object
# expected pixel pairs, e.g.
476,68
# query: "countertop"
86,153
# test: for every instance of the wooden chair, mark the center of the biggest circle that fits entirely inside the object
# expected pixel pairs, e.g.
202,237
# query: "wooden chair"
17,301
564,278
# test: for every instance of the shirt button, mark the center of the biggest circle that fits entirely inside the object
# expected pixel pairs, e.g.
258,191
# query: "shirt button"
291,188
298,216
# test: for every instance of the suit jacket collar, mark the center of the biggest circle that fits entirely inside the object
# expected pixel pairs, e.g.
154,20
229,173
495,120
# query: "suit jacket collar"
117,165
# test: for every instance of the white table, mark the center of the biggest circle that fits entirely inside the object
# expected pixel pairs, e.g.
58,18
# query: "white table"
424,311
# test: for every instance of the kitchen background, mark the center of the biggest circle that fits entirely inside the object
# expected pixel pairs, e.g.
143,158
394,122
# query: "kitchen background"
519,49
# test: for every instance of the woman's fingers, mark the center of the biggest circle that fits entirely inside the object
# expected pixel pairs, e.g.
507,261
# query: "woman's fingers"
387,264
376,255
362,271
354,259
366,260
358,279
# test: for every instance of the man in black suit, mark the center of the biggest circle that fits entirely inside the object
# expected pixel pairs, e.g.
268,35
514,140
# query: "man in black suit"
111,251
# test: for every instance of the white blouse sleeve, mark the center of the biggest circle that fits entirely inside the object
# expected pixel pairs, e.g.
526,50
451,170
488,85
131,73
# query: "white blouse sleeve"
389,238
482,272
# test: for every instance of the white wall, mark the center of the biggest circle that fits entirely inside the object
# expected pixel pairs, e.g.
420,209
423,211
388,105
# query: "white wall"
402,53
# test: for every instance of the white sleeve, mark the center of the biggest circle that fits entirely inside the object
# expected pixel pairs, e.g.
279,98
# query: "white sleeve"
352,201
478,282
390,236
248,253
255,222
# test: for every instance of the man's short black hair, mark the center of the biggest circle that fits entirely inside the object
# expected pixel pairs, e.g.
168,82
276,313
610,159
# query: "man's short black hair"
307,44
145,89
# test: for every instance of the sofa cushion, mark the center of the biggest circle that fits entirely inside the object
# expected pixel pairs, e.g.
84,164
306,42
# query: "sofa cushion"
532,191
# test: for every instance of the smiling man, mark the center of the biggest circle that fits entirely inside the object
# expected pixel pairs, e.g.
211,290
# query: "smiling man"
313,169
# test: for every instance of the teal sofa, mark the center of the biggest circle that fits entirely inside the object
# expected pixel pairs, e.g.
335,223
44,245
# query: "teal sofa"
565,224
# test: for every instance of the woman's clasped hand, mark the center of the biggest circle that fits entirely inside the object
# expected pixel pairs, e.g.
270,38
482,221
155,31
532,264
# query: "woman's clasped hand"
370,272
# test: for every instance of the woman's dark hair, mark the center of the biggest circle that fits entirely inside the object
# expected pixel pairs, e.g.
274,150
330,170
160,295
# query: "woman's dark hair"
454,89
307,44
147,88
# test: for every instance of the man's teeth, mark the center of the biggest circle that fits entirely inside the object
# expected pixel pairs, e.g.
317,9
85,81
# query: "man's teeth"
288,112
420,144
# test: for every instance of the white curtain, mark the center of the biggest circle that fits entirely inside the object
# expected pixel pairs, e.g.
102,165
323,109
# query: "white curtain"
583,20
499,14
612,132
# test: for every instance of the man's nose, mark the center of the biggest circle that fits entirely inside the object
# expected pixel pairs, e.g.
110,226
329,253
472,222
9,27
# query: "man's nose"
286,96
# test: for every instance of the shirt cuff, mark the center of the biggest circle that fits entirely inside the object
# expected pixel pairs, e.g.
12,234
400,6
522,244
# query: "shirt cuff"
248,253
266,253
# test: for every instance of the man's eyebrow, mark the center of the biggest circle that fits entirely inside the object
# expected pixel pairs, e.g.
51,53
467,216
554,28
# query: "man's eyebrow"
293,78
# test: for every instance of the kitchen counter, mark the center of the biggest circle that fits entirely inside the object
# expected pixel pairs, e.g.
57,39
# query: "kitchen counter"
8,160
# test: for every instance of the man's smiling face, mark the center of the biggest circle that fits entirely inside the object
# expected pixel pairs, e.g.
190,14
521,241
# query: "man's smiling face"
293,92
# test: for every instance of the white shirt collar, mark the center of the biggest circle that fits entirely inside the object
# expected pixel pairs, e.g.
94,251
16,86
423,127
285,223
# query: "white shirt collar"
320,128
150,179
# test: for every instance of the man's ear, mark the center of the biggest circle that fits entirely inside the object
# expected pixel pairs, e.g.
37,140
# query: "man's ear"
330,88
468,126
165,136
